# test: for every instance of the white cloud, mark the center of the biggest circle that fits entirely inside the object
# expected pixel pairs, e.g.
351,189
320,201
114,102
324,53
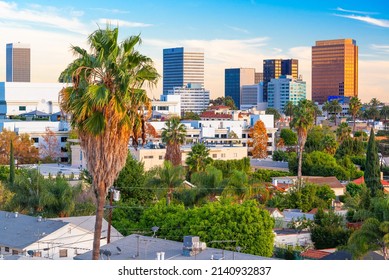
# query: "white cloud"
46,16
380,48
123,23
367,19
112,11
354,11
238,29
373,80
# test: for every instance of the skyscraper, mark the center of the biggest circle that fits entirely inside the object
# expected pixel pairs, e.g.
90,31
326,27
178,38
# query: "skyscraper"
182,67
334,69
274,68
18,63
234,79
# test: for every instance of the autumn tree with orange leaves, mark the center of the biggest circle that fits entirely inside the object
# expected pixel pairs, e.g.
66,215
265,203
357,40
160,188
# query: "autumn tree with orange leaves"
24,150
259,138
50,149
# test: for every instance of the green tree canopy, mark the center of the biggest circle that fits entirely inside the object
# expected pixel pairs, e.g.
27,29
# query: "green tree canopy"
372,173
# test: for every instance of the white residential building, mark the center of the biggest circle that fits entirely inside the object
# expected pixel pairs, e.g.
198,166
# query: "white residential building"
20,98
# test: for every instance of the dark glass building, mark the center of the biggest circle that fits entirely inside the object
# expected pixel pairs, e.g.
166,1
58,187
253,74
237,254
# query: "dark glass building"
274,68
234,79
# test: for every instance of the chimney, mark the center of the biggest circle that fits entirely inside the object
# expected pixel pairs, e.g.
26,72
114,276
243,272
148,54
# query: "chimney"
158,256
162,256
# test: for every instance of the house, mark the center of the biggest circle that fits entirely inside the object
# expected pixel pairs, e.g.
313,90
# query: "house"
38,237
384,183
312,254
290,181
139,247
286,237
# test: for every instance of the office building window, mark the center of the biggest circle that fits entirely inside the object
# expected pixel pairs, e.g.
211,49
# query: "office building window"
22,108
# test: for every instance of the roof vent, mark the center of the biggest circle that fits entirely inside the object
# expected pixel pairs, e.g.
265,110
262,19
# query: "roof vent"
39,218
16,214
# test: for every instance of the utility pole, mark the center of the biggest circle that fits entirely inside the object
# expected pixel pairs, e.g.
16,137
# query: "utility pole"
114,195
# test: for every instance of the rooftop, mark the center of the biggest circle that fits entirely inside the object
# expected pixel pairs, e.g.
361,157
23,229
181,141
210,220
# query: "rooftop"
138,247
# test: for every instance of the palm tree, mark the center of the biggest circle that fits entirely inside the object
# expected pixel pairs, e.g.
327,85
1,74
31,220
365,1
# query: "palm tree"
288,109
174,136
302,122
168,177
318,112
105,100
355,106
335,108
198,158
372,235
343,132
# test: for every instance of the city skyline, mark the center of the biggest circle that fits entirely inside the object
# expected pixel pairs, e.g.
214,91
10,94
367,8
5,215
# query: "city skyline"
234,34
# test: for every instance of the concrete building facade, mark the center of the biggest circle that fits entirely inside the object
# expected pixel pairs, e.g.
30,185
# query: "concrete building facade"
234,79
18,62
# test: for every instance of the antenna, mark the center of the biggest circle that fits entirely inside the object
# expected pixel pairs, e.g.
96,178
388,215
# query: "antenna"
154,229
119,250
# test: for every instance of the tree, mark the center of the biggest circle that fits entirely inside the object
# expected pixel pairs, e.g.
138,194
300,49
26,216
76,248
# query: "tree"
238,186
224,101
343,132
168,178
191,116
355,107
317,112
198,158
289,136
259,138
288,109
334,108
11,165
24,150
49,150
245,225
303,118
384,113
372,173
150,131
173,134
328,230
372,235
106,101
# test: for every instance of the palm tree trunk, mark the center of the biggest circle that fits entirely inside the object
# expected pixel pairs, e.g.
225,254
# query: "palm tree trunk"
101,194
353,124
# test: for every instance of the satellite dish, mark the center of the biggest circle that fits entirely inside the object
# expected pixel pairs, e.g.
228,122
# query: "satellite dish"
30,253
154,229
107,253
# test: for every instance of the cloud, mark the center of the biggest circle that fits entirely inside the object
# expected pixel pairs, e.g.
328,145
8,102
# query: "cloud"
373,80
43,15
380,48
238,29
112,11
339,9
124,23
367,19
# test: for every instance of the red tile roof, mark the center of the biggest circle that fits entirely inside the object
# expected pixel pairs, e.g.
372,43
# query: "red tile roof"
314,254
361,180
213,115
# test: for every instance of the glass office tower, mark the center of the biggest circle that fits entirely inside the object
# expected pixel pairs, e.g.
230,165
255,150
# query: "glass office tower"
18,63
334,69
182,67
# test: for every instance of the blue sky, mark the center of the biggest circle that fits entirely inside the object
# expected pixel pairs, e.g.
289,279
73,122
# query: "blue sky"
232,33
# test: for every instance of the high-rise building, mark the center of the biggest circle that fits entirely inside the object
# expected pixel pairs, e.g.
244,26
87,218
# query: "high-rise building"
284,89
234,79
274,68
258,77
193,98
182,67
334,69
18,63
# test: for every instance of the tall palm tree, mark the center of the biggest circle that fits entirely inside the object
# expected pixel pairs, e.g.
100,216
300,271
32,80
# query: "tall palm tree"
174,136
105,100
288,109
317,111
355,106
303,118
335,108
